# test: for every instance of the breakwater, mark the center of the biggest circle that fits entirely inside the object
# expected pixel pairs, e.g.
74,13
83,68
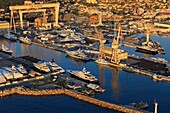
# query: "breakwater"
37,92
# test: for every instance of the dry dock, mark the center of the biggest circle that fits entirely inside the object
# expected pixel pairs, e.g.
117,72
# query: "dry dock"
28,92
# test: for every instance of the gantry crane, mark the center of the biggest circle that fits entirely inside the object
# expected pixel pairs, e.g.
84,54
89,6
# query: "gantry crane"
34,8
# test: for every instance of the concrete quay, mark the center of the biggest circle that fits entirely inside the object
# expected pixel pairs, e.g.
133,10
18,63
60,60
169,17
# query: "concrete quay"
37,92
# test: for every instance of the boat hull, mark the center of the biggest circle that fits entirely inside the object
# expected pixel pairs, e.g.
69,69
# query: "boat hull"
85,80
77,56
138,49
6,52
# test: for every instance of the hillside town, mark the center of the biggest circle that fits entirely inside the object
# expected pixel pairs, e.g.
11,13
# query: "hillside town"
135,16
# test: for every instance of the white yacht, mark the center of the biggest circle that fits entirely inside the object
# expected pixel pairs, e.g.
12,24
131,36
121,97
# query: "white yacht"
14,71
8,75
78,55
10,36
2,78
25,40
102,61
5,49
84,75
55,69
42,67
21,69
73,86
95,87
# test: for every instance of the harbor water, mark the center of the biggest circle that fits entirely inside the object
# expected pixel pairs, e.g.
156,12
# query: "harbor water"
121,87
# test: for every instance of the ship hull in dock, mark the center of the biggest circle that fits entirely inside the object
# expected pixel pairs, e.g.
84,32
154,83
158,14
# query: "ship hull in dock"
138,49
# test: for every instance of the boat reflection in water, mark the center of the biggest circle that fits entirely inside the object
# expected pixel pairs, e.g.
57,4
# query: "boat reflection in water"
101,75
115,75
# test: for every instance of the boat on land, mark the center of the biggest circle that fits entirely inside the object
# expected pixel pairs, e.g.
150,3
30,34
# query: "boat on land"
84,75
8,75
2,78
42,66
78,55
25,40
5,49
21,69
95,87
14,71
102,61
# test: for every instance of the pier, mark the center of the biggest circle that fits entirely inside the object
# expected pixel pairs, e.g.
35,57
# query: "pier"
37,92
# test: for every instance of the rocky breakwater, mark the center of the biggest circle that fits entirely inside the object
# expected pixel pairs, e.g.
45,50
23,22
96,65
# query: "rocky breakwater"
37,92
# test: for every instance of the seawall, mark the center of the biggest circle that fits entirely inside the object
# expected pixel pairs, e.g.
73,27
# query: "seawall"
36,92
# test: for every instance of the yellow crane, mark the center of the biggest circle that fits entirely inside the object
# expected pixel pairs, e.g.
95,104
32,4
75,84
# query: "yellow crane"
117,54
99,36
102,41
34,8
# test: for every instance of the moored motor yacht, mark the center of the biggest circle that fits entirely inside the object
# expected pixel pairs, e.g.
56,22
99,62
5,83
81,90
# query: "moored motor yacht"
102,61
84,75
10,36
42,66
5,49
95,87
21,69
25,40
55,68
78,55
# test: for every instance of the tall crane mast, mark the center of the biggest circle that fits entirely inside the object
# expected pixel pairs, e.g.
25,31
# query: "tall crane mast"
116,53
99,36
102,41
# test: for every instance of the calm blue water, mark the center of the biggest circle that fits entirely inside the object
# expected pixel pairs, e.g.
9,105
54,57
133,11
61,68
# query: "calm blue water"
49,104
122,87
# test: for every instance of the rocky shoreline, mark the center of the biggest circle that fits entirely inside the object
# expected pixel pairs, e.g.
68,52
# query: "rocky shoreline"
37,92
